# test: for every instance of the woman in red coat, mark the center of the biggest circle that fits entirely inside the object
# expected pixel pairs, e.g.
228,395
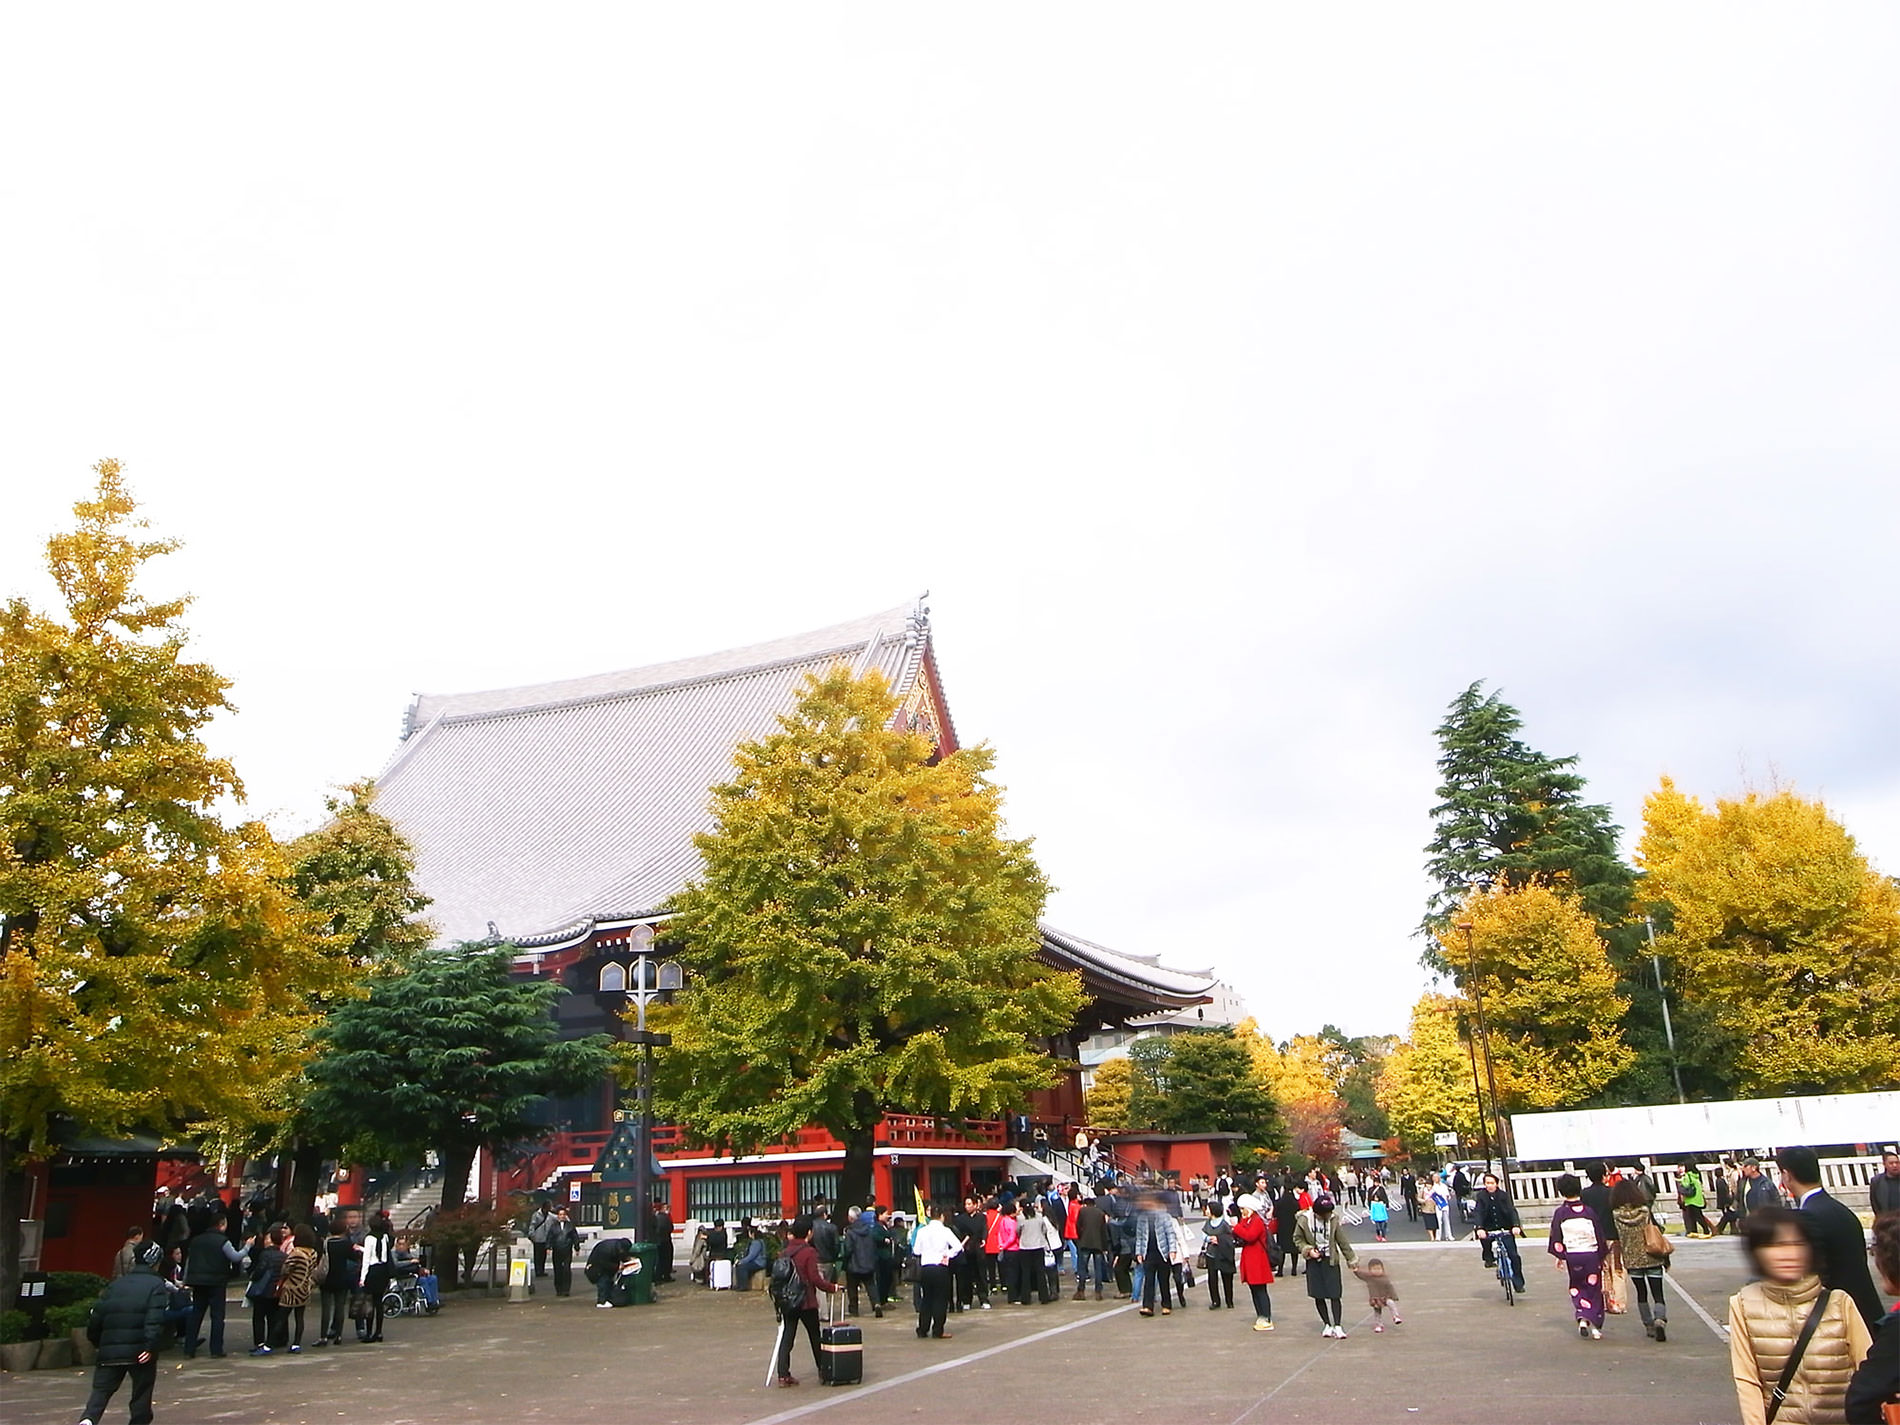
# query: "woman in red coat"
1256,1264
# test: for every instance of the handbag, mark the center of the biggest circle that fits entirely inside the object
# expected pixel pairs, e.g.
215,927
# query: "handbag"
1616,1291
1780,1392
1655,1242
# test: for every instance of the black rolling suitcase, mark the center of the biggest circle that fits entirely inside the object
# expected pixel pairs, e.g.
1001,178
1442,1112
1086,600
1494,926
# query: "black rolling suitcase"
840,1348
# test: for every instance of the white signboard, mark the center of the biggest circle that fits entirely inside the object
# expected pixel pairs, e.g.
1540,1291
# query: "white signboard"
1445,1140
1746,1124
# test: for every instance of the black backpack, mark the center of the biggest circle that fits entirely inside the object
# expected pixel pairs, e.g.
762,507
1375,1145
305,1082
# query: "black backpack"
788,1287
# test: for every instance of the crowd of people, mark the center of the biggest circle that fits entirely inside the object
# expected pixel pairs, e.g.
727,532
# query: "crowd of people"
171,1282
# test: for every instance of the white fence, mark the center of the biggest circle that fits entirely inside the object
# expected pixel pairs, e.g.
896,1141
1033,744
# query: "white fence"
1845,1178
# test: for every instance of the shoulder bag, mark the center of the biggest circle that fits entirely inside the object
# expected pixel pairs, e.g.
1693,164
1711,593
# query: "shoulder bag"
1655,1242
1780,1392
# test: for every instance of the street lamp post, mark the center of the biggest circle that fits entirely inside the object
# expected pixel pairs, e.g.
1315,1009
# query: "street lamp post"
1471,1048
1669,1030
1490,1073
649,981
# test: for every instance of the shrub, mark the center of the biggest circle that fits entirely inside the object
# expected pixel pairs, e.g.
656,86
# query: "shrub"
13,1327
61,1319
64,1288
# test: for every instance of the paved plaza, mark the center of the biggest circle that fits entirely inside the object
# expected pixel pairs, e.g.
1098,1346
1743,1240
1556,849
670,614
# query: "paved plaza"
700,1358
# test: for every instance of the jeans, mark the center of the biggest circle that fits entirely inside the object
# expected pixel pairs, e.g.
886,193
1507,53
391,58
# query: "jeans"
1090,1265
1262,1301
105,1381
206,1301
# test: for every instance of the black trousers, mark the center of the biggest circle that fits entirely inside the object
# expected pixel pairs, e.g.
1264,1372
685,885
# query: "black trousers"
788,1325
105,1381
969,1269
1155,1269
934,1285
855,1280
1217,1279
563,1273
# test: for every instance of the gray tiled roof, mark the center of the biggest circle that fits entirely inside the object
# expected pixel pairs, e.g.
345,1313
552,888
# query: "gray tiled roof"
537,807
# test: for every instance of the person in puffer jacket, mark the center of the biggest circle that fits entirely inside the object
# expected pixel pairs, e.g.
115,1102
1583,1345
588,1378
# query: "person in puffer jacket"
128,1325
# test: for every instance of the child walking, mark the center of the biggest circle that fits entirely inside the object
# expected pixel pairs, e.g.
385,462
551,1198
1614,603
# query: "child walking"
1379,1210
1380,1293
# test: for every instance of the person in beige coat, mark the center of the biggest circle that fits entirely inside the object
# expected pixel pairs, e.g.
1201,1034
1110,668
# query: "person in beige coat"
1765,1319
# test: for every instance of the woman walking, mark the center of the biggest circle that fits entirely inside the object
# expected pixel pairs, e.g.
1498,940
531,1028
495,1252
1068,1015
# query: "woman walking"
294,1287
1217,1249
376,1258
267,1266
1378,1210
1286,1212
1769,1319
1256,1262
1629,1210
1578,1244
1156,1247
1321,1238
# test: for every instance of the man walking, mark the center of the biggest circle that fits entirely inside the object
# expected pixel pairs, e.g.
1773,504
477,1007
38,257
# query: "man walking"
936,1247
802,1264
1840,1245
127,1325
1755,1191
209,1259
540,1228
563,1238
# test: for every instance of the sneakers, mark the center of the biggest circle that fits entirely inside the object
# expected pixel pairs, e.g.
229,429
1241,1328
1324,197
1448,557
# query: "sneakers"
984,1304
1378,1329
1339,1333
1397,1320
603,1306
1662,1330
260,1350
1595,1335
296,1350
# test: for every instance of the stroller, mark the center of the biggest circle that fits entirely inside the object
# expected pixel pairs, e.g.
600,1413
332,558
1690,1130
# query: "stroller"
412,1292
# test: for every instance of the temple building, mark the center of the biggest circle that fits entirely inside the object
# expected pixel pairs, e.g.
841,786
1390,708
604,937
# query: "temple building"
559,819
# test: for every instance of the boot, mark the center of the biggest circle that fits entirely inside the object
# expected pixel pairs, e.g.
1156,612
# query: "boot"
1081,1293
1098,1293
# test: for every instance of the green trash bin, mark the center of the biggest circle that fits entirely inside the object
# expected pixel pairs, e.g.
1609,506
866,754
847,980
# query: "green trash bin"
639,1284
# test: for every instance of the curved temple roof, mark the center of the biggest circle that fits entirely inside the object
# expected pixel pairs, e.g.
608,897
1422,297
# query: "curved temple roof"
540,813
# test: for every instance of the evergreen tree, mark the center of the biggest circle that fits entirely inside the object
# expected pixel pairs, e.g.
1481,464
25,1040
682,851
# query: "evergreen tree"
1209,1083
453,1053
355,876
1510,816
862,938
155,972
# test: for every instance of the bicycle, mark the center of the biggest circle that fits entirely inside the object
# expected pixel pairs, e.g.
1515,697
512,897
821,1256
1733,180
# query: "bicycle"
1504,1260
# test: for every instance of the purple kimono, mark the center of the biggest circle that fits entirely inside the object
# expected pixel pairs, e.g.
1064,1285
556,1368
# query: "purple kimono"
1576,1239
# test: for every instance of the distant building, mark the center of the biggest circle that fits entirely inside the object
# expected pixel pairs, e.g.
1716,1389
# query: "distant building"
559,818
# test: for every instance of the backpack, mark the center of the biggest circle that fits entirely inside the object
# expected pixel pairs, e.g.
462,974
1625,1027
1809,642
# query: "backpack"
788,1287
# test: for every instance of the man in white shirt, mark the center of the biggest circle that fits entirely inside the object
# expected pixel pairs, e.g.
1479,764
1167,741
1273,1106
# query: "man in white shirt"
936,1247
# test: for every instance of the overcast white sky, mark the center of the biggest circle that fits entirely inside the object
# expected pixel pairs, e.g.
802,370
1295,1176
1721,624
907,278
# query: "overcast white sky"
1241,380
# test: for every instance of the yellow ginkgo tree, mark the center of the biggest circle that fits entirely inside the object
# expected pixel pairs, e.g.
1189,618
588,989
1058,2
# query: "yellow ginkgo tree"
1784,942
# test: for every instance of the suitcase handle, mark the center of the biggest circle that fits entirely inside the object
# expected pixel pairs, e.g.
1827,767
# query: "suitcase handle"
834,1307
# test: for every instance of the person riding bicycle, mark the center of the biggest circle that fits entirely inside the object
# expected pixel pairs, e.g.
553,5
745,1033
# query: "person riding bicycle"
1499,1226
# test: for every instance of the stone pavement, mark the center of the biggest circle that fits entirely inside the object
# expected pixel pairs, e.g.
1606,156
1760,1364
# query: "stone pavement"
701,1358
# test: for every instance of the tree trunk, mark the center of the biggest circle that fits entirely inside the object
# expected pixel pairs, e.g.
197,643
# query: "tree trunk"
457,1161
297,1171
855,1185
12,1204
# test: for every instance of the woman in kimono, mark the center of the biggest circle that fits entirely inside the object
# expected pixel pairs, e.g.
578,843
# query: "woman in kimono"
1578,1244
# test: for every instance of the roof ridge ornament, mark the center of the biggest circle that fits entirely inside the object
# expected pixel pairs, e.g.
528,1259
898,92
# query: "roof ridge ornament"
919,620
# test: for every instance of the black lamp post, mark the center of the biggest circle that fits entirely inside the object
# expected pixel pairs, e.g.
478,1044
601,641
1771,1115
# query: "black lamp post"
1490,1074
649,980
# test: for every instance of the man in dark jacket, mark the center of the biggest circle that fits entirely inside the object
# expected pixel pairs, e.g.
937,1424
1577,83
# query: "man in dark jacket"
1495,1217
603,1267
1883,1193
970,1225
824,1239
1840,1243
127,1325
209,1260
1091,1245
1596,1197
